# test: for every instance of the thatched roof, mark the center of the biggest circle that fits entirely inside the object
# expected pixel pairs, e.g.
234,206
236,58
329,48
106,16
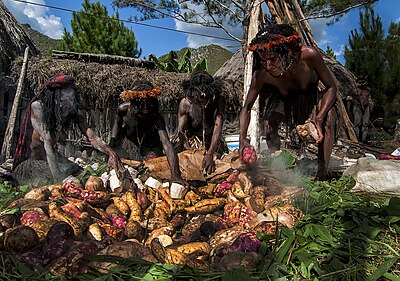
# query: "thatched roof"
13,39
102,83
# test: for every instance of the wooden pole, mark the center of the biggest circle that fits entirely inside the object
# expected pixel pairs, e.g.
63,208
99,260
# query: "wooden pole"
254,24
8,137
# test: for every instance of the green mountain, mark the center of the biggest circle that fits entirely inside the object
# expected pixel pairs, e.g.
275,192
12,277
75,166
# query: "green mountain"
44,43
215,55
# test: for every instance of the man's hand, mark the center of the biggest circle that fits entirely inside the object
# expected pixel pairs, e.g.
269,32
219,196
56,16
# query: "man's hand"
318,123
115,162
208,163
180,181
243,143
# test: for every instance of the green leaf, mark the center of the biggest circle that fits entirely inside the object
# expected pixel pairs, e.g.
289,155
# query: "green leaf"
237,275
382,269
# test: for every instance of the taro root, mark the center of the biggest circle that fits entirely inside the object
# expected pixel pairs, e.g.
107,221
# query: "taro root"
20,239
246,183
238,191
43,227
40,193
72,263
113,212
225,236
21,202
246,242
34,259
124,249
154,223
257,202
33,216
166,255
266,227
178,221
57,213
9,221
222,188
134,230
249,155
94,183
59,240
238,259
238,214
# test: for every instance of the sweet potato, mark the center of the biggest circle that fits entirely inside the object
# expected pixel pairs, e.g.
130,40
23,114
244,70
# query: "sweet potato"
94,183
20,239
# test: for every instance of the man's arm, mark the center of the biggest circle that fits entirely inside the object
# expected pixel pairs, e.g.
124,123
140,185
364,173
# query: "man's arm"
324,74
182,123
116,131
49,145
172,157
100,145
208,161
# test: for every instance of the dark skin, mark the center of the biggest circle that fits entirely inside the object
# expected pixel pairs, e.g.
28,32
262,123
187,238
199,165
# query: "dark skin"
43,145
190,123
359,112
139,122
300,77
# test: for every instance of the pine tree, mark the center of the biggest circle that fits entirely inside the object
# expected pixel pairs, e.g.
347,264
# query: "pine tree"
94,32
371,55
330,52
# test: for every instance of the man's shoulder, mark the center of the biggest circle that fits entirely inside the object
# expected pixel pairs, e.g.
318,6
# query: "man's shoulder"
123,106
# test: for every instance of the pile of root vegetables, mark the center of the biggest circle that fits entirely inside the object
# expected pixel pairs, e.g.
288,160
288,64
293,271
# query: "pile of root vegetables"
213,227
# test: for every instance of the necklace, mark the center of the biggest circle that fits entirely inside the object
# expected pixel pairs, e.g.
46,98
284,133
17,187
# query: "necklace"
139,141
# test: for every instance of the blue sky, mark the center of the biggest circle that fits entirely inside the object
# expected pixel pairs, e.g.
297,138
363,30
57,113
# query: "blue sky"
156,41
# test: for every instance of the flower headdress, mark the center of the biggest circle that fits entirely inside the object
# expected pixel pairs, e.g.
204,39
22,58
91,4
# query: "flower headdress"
274,40
143,90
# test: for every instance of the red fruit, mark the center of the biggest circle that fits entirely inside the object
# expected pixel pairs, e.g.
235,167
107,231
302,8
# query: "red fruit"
249,155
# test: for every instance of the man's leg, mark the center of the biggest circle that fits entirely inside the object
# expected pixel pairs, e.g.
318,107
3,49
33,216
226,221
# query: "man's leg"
365,124
357,113
325,147
271,128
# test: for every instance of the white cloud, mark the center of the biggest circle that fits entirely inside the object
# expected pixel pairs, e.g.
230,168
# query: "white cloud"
397,20
38,17
318,28
195,41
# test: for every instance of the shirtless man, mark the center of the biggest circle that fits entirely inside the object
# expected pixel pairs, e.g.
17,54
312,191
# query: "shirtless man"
139,120
53,112
293,70
201,114
358,107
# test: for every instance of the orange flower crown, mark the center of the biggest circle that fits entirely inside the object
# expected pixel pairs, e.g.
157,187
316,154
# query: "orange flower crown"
268,45
129,95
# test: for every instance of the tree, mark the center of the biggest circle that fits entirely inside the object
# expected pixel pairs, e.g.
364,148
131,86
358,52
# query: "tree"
330,52
222,13
371,55
94,32
181,65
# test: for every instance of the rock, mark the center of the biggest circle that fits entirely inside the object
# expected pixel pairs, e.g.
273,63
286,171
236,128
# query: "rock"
376,176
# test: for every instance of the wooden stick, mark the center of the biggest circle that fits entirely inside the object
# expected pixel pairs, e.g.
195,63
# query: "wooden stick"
8,137
102,58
